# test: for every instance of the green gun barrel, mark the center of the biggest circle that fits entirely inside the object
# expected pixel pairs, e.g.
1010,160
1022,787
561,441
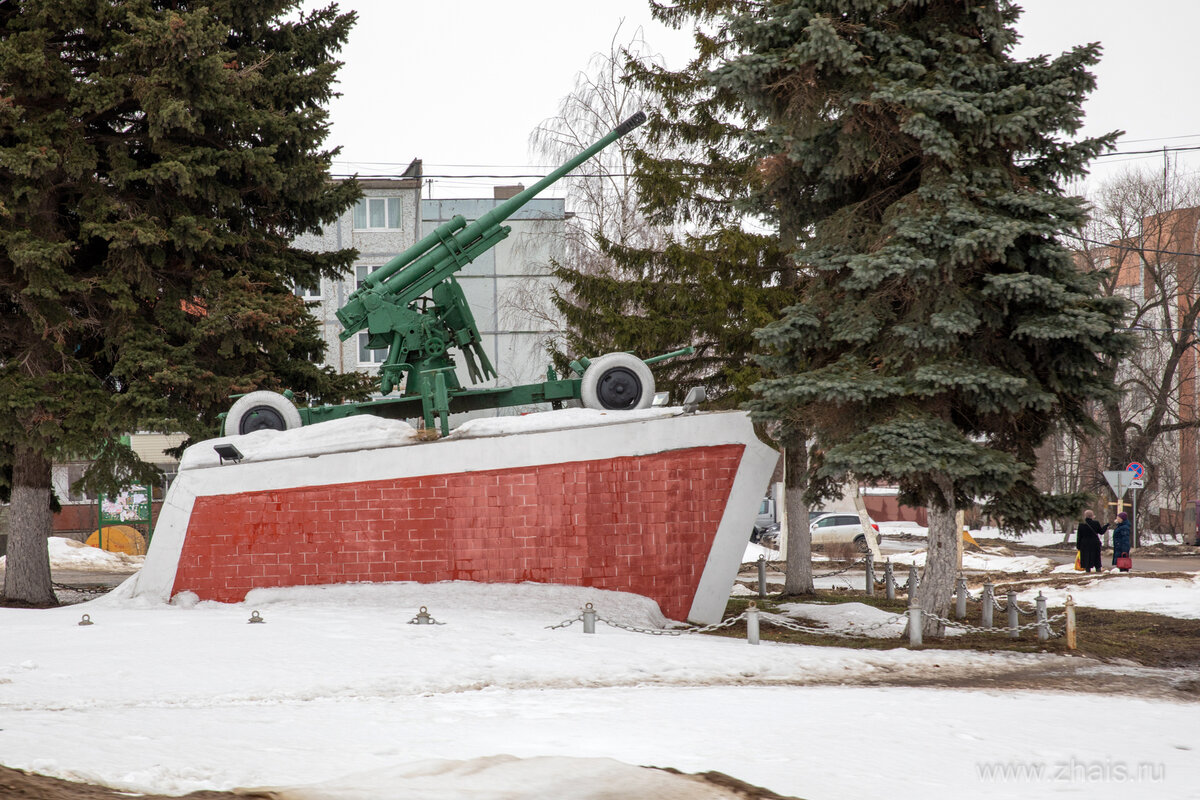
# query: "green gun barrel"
454,244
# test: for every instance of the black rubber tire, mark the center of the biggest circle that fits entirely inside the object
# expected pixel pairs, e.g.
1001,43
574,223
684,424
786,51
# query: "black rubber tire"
617,382
259,411
860,542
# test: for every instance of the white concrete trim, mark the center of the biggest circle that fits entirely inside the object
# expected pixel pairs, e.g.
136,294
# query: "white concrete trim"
157,575
729,545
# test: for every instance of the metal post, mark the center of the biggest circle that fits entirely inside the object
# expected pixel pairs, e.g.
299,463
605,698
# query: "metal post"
1014,619
1043,630
960,603
914,582
1070,623
914,626
1133,528
988,601
762,576
889,579
589,619
870,575
752,624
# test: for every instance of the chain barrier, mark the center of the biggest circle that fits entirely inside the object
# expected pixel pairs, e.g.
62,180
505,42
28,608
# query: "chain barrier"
858,632
566,623
95,590
995,629
651,631
763,616
840,571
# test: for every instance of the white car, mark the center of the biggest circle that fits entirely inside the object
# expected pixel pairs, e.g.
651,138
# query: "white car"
839,528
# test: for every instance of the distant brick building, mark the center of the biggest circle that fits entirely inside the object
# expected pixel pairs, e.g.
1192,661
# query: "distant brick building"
1155,269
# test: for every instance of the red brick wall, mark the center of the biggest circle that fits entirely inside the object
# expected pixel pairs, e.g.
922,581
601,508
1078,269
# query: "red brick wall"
641,524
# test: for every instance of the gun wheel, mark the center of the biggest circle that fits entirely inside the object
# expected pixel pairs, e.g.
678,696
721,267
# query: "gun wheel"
617,382
261,411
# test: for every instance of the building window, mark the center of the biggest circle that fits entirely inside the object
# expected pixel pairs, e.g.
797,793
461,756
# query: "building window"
307,292
361,272
377,214
367,356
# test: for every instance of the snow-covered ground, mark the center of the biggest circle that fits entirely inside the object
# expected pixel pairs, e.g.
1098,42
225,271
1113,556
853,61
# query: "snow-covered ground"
73,555
338,697
338,689
1032,539
983,562
1126,592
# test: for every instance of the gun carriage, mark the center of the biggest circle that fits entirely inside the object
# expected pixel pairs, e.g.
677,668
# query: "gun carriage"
414,308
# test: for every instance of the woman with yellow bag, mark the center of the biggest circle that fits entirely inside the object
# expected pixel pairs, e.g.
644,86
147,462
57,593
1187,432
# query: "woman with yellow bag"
1087,543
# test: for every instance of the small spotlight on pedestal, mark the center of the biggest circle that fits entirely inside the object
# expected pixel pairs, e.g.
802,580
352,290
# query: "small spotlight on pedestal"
228,452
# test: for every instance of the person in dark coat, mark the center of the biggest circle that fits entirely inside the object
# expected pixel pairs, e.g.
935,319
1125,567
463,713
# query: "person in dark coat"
1122,538
1087,542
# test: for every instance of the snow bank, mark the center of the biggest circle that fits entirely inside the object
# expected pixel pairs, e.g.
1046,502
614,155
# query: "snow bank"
506,777
984,562
73,555
856,618
367,432
1125,592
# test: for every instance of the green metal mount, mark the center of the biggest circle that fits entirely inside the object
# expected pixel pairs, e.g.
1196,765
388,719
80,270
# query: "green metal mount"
414,308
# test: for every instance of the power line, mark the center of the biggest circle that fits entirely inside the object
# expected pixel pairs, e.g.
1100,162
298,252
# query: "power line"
1129,247
1157,151
483,176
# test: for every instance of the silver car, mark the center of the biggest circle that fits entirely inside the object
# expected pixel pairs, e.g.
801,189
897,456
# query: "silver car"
839,528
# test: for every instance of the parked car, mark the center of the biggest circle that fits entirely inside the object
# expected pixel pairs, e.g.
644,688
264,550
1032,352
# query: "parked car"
838,528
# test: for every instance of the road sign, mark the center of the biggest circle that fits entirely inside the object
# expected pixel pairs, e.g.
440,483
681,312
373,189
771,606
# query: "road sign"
1137,483
1137,469
1119,480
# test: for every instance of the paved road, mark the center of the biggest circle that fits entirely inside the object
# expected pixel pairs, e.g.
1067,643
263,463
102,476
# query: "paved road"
1182,563
1140,563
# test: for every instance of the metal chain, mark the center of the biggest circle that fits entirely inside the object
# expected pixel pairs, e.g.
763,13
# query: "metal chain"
854,633
651,631
977,629
1023,610
566,623
784,622
839,571
62,587
636,629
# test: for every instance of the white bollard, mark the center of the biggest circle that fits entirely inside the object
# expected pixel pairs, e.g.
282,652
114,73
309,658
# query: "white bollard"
960,605
762,576
1071,644
889,580
1043,630
988,600
1014,616
589,619
870,575
752,624
914,582
914,626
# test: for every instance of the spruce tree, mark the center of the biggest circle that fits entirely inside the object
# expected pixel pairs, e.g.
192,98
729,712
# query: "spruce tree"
698,276
156,159
943,331
715,264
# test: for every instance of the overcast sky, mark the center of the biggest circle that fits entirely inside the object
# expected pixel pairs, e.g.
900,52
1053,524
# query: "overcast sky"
462,85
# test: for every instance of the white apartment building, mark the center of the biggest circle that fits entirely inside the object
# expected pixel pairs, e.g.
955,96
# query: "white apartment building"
507,287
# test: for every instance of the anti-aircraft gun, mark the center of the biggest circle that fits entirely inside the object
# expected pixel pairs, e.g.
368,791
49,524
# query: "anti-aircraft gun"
414,308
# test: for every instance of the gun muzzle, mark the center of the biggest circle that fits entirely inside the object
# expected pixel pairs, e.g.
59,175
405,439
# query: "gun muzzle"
631,123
